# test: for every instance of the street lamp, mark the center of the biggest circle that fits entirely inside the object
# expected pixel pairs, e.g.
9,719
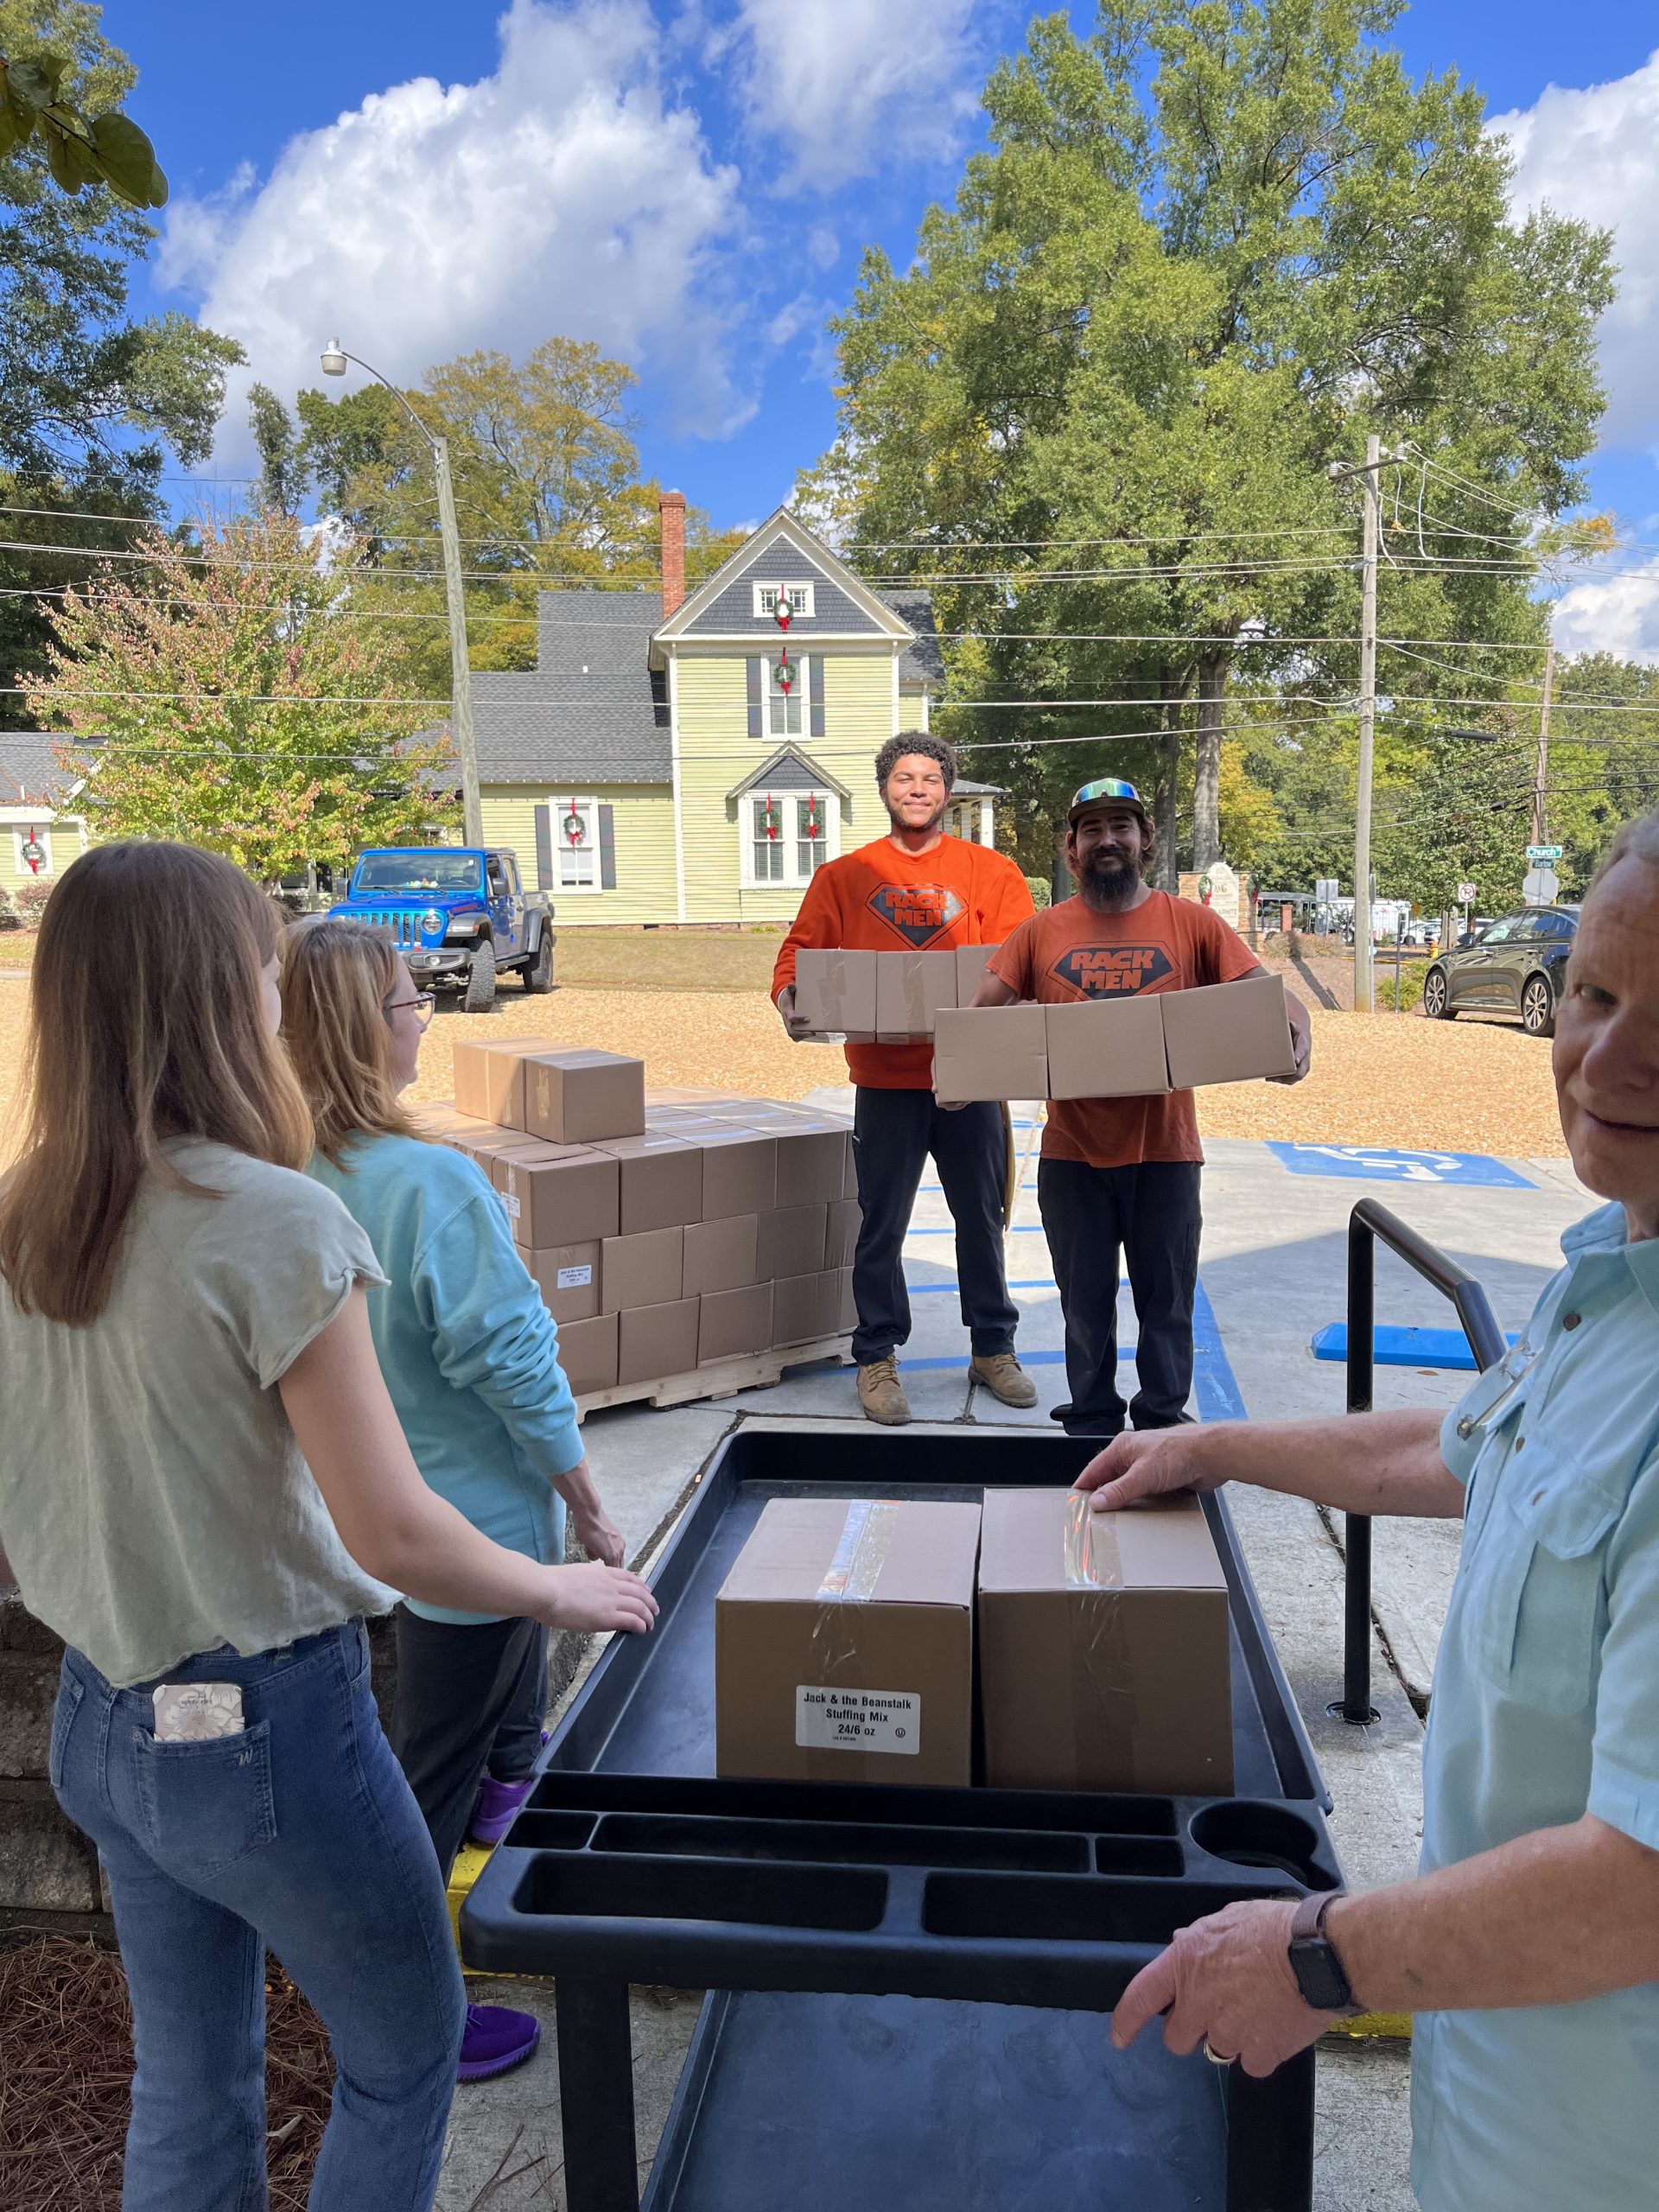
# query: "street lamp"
334,358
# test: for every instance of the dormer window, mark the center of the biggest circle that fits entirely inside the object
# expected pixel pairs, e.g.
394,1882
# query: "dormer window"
795,598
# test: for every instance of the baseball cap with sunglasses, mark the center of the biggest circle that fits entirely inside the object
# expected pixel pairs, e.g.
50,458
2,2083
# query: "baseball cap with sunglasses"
1107,791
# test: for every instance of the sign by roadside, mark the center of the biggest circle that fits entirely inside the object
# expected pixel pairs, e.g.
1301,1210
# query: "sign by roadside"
1537,853
1542,886
1467,894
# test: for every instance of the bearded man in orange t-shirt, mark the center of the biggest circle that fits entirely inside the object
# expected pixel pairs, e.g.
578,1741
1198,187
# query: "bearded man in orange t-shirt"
917,889
1123,1173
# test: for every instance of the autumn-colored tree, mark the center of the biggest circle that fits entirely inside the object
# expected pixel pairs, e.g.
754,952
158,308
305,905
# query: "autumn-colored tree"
238,702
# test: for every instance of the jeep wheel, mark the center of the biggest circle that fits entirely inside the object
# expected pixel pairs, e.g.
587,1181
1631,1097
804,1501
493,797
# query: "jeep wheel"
1437,1005
1538,1008
538,974
480,982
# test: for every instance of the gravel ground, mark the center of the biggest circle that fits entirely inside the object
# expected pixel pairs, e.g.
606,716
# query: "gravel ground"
1385,1079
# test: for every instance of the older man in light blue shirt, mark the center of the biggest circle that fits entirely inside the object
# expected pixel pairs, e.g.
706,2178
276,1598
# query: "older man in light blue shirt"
1529,1947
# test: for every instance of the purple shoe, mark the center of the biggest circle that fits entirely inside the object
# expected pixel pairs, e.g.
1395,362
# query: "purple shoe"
498,1803
496,2041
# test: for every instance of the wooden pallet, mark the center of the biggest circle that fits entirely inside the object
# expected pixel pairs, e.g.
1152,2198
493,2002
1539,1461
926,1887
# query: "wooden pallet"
721,1378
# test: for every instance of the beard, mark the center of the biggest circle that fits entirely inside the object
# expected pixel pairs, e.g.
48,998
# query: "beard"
902,821
1108,879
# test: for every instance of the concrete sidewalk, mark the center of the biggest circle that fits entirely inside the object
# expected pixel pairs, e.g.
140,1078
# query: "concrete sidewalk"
1274,1268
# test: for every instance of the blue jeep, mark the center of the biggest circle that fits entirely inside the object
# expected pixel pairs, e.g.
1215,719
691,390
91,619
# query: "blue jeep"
458,914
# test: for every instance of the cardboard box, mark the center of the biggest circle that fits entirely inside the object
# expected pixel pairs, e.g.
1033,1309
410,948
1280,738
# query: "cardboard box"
662,1180
850,1171
844,1644
572,1096
1227,1032
490,1077
1103,1647
846,1314
644,1270
835,992
740,1174
970,971
809,1162
568,1278
989,1053
588,1354
1107,1048
561,1194
841,1237
791,1241
806,1307
733,1322
654,1341
909,989
722,1254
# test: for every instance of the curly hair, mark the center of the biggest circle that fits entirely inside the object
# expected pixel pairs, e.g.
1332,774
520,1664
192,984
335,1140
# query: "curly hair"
915,740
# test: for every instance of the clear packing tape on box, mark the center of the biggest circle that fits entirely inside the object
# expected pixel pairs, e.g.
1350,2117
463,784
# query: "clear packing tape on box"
854,1569
1101,1670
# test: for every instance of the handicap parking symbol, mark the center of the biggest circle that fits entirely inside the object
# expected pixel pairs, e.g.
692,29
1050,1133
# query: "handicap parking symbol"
1385,1164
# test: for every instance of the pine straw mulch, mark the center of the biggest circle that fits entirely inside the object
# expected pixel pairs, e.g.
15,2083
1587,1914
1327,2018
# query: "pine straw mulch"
65,2069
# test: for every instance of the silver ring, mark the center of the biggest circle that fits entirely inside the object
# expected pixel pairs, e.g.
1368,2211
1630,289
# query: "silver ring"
1214,2057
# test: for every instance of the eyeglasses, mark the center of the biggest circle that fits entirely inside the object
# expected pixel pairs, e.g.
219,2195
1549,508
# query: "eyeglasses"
425,1000
1107,787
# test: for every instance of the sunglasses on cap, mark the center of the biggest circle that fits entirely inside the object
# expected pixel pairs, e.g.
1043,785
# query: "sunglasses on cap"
1103,792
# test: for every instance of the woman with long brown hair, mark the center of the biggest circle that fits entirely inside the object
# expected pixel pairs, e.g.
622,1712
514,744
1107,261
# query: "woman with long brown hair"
204,1487
471,1357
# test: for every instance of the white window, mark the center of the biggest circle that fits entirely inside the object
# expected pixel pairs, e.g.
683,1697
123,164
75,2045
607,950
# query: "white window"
31,853
784,685
788,835
797,597
575,843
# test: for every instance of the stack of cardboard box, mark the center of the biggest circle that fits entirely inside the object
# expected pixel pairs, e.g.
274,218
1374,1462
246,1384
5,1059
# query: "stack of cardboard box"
883,998
1128,1048
668,1231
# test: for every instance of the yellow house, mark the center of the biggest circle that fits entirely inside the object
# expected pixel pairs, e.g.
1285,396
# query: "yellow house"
40,831
692,760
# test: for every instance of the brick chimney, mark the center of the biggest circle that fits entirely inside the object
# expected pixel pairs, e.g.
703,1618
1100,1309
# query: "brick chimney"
671,505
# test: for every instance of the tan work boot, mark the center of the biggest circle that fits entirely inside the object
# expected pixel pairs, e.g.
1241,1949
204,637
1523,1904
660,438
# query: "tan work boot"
1001,1373
882,1393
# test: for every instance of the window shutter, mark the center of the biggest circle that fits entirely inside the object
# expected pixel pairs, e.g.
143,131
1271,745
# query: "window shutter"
606,849
544,848
754,666
815,692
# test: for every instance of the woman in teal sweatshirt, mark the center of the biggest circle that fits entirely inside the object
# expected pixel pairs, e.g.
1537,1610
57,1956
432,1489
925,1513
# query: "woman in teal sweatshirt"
470,1355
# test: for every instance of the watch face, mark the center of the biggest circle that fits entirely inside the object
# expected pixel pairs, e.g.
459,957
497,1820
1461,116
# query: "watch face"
1319,1975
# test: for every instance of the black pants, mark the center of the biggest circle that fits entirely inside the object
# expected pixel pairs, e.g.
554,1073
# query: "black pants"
1152,1212
893,1132
471,1698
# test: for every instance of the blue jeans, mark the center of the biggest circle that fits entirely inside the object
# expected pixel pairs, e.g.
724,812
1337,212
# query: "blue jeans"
300,1834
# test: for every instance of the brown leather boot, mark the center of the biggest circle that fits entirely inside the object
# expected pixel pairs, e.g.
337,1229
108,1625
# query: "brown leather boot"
881,1394
1001,1373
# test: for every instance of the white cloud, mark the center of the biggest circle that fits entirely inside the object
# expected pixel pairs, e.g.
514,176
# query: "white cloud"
1594,154
844,86
1614,614
564,194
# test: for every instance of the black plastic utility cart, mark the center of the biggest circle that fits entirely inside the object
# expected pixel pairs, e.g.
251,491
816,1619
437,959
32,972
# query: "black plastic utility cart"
911,1987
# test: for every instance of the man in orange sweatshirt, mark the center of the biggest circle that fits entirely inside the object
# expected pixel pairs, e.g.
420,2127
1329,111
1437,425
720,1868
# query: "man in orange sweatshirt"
916,890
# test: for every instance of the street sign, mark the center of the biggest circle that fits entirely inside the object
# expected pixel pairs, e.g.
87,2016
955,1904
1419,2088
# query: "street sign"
1326,891
1365,1163
1537,853
1542,886
1467,894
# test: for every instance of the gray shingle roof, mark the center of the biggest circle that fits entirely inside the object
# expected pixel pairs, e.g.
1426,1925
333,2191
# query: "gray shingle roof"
30,770
922,661
592,711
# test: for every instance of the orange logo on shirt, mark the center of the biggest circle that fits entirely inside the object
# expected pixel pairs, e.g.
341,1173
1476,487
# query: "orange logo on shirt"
918,912
1107,971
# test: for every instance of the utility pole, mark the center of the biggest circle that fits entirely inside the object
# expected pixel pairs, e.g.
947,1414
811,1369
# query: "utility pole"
1538,781
335,358
1365,998
461,673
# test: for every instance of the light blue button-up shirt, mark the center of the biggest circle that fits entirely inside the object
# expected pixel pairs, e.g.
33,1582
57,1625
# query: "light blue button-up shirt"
1545,1707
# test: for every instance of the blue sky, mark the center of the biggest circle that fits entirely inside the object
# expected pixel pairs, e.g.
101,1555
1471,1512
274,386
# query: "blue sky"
693,188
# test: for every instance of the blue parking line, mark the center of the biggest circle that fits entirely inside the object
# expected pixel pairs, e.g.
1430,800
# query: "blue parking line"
1037,1282
1019,1229
1219,1394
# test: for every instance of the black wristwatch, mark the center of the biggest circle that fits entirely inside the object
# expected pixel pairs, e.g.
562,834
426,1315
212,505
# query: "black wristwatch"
1313,1961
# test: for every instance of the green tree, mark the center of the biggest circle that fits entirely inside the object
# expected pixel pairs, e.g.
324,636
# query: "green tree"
1208,249
241,704
92,400
547,481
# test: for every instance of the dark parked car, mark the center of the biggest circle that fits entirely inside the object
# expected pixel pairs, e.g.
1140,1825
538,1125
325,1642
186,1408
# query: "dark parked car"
1512,967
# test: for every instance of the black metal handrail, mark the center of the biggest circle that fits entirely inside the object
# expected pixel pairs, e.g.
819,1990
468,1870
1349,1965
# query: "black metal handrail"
1366,1223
